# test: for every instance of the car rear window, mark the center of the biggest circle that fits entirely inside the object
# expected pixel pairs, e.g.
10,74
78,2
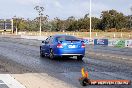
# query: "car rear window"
67,38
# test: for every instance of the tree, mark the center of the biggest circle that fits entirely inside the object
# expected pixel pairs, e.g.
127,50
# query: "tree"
70,23
19,23
112,19
95,23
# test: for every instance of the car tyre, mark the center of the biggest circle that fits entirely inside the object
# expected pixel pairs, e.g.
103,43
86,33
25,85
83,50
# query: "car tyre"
41,53
79,58
51,56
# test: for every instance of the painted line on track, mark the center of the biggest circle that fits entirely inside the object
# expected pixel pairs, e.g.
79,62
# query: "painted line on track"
103,55
9,81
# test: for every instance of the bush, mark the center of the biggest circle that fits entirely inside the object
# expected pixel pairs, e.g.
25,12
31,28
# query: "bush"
84,30
112,30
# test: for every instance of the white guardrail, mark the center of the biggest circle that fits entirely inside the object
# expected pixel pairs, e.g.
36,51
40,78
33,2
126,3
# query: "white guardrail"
34,37
128,43
120,43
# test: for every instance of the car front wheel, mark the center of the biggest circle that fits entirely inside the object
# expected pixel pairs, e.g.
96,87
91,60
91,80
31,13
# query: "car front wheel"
51,56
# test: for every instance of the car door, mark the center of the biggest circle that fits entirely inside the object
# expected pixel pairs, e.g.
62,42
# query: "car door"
43,45
47,45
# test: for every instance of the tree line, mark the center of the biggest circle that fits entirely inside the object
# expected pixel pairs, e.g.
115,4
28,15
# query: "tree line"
110,21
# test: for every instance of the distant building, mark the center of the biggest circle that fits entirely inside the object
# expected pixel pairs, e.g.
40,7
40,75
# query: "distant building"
5,25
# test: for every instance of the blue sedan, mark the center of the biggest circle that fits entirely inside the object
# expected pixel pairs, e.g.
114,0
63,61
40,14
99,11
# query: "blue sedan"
62,45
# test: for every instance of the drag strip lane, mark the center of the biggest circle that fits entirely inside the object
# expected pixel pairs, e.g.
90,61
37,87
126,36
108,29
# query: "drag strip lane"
65,70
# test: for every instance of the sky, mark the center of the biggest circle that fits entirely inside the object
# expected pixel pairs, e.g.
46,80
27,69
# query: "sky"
61,8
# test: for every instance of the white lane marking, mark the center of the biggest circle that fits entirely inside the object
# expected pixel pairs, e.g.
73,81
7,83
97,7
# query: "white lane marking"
117,74
10,81
98,54
112,56
104,55
124,58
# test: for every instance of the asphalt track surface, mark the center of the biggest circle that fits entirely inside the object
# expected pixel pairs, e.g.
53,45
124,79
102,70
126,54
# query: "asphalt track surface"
20,56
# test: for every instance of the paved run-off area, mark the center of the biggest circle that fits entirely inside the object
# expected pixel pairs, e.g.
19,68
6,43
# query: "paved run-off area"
20,58
7,81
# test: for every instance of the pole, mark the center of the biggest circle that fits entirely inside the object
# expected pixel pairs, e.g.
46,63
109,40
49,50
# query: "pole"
90,21
40,10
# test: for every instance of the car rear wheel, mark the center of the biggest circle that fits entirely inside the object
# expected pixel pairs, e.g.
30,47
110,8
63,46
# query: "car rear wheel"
51,56
41,54
79,58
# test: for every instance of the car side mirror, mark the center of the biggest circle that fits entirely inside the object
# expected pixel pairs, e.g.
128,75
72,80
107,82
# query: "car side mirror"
43,41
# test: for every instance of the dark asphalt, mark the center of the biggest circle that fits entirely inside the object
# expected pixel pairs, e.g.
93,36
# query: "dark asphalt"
25,55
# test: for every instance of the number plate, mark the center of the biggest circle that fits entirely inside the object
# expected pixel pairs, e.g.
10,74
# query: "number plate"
71,46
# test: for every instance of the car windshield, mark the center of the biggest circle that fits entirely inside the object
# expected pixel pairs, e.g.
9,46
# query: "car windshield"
67,38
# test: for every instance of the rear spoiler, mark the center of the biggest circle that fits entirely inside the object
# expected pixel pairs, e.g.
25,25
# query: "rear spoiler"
71,41
82,41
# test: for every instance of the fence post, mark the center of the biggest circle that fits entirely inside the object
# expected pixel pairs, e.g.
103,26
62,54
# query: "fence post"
129,36
73,34
121,35
114,35
96,34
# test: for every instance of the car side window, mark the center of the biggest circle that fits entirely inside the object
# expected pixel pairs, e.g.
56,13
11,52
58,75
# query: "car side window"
51,40
47,40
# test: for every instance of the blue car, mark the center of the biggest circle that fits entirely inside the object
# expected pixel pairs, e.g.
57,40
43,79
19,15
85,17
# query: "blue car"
62,45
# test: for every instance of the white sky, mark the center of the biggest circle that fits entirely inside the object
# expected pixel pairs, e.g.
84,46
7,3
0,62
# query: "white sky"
61,8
